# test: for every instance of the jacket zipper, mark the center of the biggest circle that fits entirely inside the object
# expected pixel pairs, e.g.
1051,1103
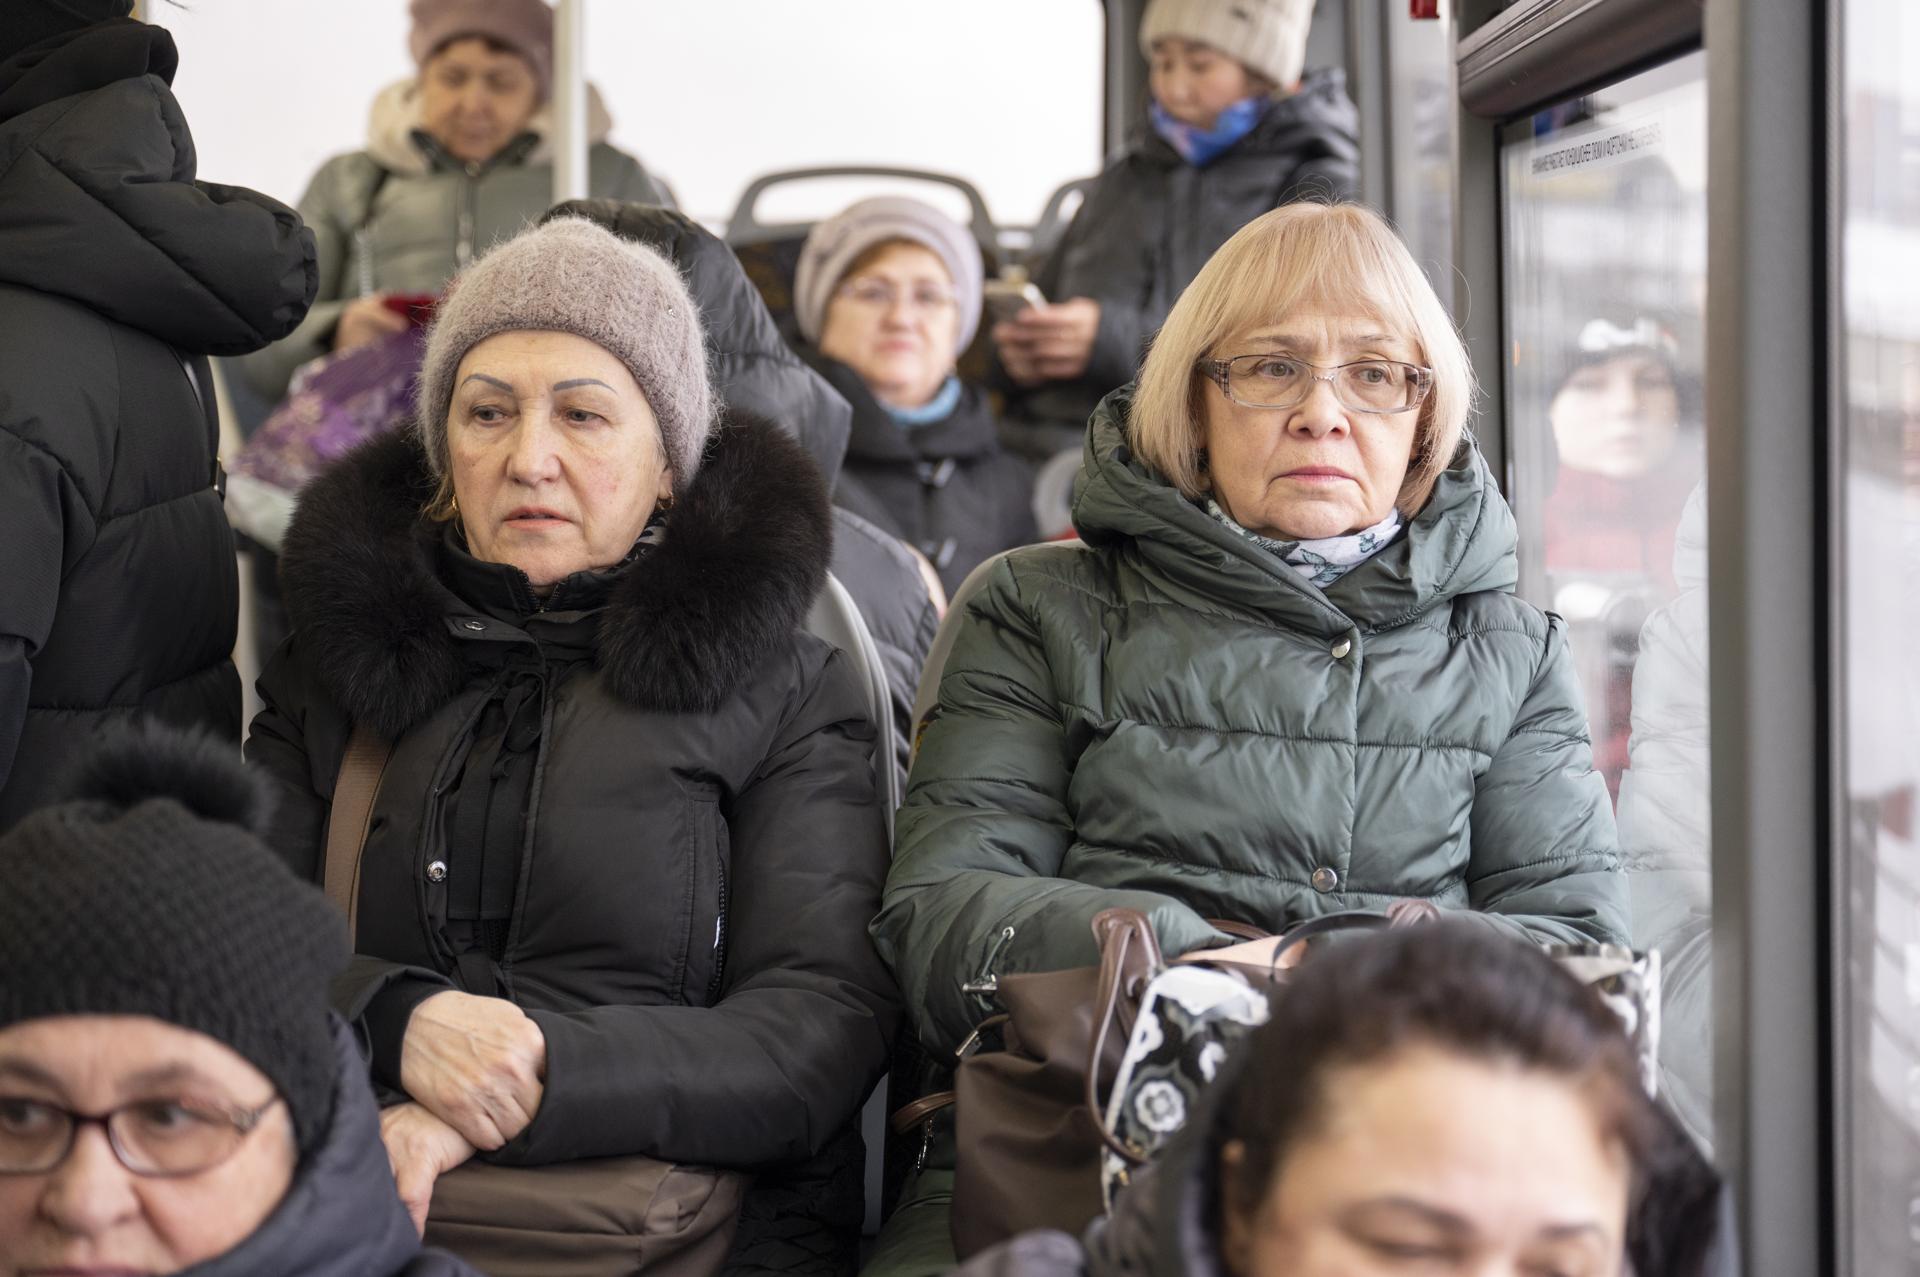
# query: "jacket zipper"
988,981
719,933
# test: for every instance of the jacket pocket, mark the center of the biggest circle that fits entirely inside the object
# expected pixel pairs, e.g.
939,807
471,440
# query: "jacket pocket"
708,854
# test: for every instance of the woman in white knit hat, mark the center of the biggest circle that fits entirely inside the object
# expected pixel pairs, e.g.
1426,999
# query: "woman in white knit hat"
612,893
887,295
1236,126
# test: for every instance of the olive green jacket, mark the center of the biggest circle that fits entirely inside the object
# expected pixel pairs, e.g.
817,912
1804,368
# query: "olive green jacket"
403,216
1171,718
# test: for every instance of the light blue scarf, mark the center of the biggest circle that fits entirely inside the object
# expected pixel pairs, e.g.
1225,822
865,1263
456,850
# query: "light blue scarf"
1201,147
1326,559
938,408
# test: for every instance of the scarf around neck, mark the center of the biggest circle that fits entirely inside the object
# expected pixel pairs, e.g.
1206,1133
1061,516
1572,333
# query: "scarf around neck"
1200,147
1323,560
938,408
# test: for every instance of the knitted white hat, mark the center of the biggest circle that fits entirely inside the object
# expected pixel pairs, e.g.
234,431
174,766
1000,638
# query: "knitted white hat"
1267,36
572,276
835,244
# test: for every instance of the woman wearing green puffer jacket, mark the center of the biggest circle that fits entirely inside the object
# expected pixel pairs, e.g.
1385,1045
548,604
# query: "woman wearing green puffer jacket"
1286,674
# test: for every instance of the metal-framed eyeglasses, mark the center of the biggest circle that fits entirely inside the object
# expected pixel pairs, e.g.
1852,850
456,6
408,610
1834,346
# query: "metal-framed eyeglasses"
158,1139
878,294
1281,381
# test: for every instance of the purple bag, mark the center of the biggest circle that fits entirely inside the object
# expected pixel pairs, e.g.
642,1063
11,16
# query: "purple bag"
333,404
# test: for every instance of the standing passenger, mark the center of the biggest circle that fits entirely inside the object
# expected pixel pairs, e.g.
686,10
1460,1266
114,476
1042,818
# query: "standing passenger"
1234,128
457,157
889,294
627,837
1287,674
119,274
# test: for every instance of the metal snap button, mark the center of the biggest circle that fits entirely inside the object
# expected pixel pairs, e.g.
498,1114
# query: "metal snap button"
1325,880
1341,649
475,626
437,871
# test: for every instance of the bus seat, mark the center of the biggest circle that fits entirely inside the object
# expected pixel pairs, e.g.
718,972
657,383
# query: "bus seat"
929,692
1053,493
836,619
1065,201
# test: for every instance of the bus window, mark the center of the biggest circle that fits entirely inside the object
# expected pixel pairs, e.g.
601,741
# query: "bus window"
1605,262
1877,884
1005,93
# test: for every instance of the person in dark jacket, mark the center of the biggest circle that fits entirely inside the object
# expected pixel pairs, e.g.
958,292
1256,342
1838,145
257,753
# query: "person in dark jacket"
628,830
1235,127
1286,675
756,372
888,294
119,274
1452,1101
175,1096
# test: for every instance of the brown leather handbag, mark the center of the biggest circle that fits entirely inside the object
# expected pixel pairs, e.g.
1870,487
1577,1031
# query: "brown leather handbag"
1028,1119
598,1217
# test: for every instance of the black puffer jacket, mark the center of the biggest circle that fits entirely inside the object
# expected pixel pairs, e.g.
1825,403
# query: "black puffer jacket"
945,488
118,273
1152,220
342,1217
758,374
644,812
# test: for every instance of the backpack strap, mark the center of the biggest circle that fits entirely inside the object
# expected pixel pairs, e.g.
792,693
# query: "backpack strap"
361,768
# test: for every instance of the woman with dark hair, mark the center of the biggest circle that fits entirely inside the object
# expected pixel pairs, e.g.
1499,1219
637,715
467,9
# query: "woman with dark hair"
1440,1099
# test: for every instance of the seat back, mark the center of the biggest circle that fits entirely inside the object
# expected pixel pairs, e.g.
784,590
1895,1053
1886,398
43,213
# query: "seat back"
835,619
745,226
1055,218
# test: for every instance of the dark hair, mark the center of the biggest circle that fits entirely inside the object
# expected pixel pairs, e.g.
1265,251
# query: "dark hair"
1454,984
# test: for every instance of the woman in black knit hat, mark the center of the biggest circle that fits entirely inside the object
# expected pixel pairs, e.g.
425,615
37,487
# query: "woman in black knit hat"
174,1094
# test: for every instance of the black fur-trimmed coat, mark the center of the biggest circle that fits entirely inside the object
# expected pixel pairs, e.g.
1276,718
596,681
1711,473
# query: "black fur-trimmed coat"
701,846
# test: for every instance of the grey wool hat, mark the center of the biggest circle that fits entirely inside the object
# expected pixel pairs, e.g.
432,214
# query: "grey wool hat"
1267,36
570,275
835,244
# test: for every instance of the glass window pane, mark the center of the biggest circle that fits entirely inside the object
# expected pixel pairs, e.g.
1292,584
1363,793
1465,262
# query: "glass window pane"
1879,693
1005,93
1605,246
1420,121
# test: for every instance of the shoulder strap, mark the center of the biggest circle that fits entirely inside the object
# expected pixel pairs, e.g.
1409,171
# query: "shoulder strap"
361,768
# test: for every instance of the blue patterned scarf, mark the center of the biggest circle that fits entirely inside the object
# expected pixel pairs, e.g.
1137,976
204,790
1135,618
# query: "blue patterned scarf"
1201,147
938,408
1326,559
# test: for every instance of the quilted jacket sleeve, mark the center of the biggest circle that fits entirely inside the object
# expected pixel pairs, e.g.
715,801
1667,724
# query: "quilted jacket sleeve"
1545,859
976,889
270,370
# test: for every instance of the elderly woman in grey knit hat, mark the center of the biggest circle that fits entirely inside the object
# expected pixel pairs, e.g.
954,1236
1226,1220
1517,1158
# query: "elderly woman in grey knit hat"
613,889
888,295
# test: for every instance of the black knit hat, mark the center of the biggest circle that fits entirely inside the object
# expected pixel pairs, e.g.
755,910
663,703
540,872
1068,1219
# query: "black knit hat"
150,893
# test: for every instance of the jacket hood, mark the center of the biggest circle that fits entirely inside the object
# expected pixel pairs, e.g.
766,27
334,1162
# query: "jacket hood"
342,1217
753,368
395,115
98,204
745,552
1164,1224
1463,541
1319,120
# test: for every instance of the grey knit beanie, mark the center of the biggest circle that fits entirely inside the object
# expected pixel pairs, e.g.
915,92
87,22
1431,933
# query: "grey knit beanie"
1267,36
525,26
837,243
571,276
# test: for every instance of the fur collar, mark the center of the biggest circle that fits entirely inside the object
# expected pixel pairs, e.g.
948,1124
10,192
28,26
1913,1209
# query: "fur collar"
746,552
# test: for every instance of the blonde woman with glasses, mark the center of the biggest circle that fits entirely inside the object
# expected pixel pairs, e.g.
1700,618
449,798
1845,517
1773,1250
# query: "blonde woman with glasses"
1286,676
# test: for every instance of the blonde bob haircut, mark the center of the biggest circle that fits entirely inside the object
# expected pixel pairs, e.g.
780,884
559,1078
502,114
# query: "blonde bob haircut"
1341,256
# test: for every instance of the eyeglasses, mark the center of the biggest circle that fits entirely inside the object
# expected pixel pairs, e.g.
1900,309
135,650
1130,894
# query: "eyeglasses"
1281,381
162,1139
880,295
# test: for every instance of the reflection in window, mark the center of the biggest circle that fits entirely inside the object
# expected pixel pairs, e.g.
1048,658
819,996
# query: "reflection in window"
1879,701
1605,242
